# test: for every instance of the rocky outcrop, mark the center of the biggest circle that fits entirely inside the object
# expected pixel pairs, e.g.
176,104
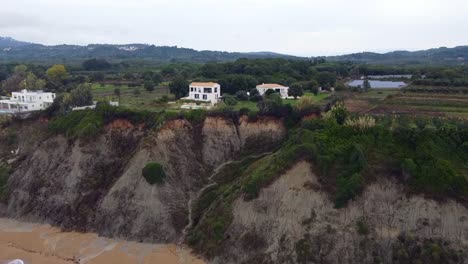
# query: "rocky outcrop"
98,186
294,221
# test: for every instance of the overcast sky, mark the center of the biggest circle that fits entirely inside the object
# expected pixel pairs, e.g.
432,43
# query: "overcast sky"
299,27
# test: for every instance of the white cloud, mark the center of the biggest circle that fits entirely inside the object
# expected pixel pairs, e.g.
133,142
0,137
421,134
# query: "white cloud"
303,27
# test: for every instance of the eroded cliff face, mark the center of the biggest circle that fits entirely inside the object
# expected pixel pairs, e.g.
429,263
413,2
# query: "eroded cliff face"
98,185
294,221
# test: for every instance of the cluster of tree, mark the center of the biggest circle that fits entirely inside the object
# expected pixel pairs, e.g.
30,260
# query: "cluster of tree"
151,80
23,78
96,65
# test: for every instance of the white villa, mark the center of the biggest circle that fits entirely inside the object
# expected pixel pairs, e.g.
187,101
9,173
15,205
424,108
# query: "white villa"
26,101
282,90
204,91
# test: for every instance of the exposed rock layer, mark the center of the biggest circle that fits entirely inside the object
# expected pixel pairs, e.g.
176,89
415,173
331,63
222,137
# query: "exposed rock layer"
98,185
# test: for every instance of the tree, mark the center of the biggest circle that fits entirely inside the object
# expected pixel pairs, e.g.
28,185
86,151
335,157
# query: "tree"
31,82
57,73
313,86
271,103
242,96
96,64
149,85
179,87
21,69
229,100
326,79
366,85
157,78
12,84
81,95
97,76
117,93
296,90
340,86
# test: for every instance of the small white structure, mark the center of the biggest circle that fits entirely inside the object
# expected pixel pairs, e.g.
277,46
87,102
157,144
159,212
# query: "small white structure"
204,91
93,106
27,101
282,90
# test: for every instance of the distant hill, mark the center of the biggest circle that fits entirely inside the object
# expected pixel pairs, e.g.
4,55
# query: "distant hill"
13,50
6,42
19,51
443,55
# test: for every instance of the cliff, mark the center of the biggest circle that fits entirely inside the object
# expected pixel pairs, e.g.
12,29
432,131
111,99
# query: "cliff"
97,185
229,193
294,221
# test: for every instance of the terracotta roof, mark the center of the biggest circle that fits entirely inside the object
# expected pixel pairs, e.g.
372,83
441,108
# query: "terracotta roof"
270,86
204,84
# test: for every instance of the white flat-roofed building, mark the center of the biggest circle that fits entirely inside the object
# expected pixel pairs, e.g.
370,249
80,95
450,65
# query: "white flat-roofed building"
204,91
282,90
27,101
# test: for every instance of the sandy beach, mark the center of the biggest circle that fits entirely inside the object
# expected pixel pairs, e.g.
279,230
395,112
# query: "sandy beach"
41,244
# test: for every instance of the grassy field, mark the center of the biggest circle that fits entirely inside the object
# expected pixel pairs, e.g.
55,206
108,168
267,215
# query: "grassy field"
137,98
252,106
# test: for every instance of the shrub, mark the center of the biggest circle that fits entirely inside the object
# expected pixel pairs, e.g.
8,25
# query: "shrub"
229,100
195,116
348,188
4,173
361,227
149,85
296,90
242,96
361,123
305,104
154,173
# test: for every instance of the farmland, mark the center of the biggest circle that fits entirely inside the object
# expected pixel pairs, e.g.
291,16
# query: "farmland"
417,101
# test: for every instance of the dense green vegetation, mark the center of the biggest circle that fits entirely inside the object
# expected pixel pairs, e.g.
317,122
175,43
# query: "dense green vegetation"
88,123
154,173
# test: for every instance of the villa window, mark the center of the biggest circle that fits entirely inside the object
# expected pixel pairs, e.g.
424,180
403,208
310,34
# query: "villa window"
207,90
205,97
197,96
216,89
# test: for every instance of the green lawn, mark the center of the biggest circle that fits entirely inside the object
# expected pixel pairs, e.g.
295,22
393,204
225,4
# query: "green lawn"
141,100
252,106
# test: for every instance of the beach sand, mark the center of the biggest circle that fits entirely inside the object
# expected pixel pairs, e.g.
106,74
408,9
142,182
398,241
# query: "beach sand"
41,244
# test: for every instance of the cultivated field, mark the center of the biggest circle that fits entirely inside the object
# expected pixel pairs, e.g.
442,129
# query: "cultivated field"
418,102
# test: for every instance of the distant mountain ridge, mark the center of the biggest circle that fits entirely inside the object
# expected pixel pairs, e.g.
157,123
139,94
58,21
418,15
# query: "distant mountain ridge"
443,55
19,51
13,50
7,42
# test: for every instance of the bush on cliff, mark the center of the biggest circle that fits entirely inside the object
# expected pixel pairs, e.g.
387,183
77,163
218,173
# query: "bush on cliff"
4,173
154,173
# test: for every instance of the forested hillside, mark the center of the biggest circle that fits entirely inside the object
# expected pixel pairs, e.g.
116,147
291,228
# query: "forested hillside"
13,50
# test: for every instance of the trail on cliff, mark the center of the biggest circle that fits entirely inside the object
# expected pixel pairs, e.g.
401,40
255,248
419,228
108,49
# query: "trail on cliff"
211,183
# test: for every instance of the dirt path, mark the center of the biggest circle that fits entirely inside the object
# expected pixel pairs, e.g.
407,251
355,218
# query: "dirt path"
41,244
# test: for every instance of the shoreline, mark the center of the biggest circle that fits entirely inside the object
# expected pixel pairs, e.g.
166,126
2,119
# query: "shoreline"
42,243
